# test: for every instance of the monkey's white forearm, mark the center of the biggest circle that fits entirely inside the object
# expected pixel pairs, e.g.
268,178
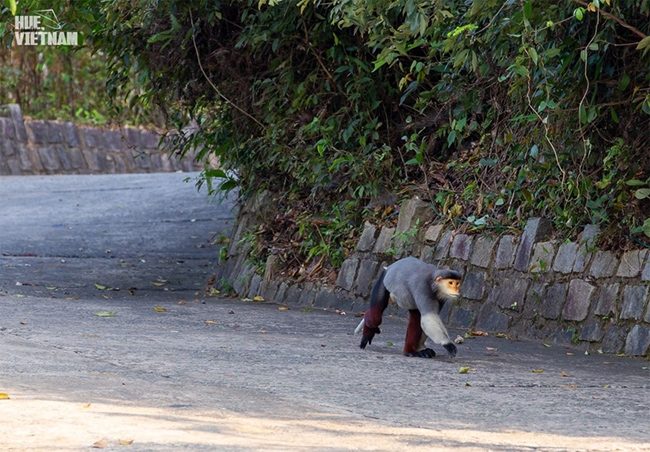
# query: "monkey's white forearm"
435,329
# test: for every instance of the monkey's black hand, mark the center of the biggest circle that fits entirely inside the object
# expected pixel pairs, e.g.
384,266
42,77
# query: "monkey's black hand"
426,353
451,349
368,334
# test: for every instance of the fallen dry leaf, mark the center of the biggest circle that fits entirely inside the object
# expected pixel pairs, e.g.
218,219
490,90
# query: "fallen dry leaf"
459,340
570,386
360,314
564,374
86,406
284,308
126,442
4,396
261,331
159,309
101,444
463,370
182,302
491,349
210,322
258,298
246,299
547,345
538,371
478,333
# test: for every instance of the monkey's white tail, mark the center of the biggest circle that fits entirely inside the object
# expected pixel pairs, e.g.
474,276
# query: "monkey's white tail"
360,327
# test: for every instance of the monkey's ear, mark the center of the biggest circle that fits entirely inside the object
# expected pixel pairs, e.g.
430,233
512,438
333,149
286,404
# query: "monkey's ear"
438,279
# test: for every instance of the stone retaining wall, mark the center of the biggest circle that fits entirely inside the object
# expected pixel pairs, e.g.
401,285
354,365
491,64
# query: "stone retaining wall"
53,147
528,285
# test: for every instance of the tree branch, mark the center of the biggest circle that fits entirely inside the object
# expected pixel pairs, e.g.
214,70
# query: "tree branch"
636,31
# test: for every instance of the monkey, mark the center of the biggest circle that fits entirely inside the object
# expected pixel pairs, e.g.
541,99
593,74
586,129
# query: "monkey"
420,288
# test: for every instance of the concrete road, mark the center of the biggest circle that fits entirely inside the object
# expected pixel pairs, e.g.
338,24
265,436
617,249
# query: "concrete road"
172,369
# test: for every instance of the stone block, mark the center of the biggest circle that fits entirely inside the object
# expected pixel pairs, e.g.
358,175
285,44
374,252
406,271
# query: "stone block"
536,229
63,157
443,246
505,252
14,167
7,129
365,278
19,124
131,138
634,302
645,274
554,301
432,234
427,252
614,339
93,137
534,300
511,293
592,332
586,246
631,263
308,295
55,132
149,139
49,158
368,237
113,140
347,274
461,247
269,289
254,288
543,254
491,319
293,295
413,211
603,265
7,147
328,299
638,341
578,300
383,241
461,317
473,286
36,131
69,131
281,293
156,163
606,303
482,250
95,160
28,164
143,161
565,257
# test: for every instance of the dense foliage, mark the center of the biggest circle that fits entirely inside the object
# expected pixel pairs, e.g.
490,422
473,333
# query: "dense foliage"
494,110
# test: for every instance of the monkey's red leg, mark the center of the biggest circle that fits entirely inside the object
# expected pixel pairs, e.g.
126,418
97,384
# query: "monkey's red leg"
379,298
414,336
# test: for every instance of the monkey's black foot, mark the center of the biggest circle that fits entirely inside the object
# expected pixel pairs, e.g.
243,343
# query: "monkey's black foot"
451,349
368,334
426,353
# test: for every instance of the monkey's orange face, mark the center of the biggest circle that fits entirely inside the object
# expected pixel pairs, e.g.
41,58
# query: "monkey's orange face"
450,287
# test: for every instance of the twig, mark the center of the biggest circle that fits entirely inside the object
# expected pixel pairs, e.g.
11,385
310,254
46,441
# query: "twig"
228,101
615,19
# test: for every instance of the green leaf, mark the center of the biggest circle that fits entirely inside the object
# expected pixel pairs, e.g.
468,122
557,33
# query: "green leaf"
646,227
105,314
642,193
644,43
12,6
635,183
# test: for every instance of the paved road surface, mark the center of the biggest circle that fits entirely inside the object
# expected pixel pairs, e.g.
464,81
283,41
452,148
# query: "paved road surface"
210,374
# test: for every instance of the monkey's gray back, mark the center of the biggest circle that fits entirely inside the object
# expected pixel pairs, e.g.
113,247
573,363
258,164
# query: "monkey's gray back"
409,281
